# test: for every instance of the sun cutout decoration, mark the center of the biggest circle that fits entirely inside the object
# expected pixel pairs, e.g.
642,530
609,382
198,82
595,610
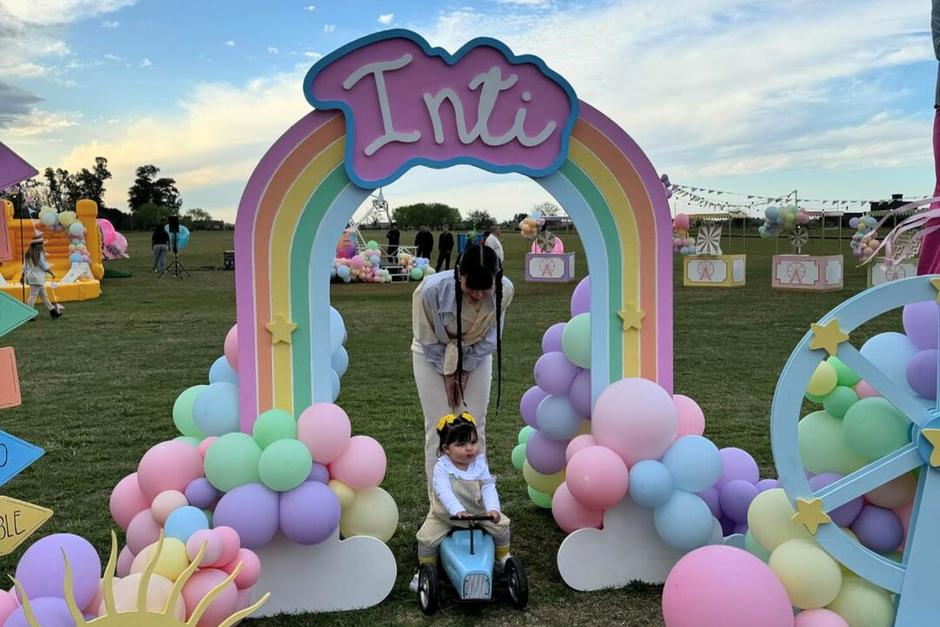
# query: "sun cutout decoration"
141,616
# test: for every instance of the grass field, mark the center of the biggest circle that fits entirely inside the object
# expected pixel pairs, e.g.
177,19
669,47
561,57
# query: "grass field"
98,386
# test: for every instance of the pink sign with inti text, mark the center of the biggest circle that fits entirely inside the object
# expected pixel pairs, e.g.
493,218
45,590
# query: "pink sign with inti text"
409,104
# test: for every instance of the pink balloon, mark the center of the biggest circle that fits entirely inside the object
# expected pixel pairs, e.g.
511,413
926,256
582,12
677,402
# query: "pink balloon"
580,442
865,391
92,607
213,543
325,429
127,501
168,466
205,444
8,605
251,568
597,477
142,532
721,586
199,586
125,560
230,544
636,419
231,347
819,618
681,222
361,465
570,515
691,419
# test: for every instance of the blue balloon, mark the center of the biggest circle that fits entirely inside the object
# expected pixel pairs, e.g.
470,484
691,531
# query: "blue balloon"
693,462
182,238
184,522
772,212
339,360
215,409
684,522
334,381
557,418
337,330
221,372
890,352
650,483
343,272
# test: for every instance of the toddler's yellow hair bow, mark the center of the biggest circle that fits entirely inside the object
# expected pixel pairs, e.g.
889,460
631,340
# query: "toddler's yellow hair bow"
450,418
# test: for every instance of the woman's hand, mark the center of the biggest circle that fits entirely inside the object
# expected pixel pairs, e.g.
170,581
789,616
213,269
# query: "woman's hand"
462,515
494,515
453,390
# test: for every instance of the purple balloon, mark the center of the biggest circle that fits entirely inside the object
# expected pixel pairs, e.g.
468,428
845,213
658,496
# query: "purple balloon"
710,496
853,223
319,473
727,526
49,612
845,515
737,464
557,419
200,493
554,373
766,484
545,455
581,299
920,324
922,373
41,570
879,529
736,497
252,511
551,341
741,527
580,394
309,514
530,403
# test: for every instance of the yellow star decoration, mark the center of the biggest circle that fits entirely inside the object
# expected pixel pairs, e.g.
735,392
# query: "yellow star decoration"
933,436
827,336
810,514
936,286
632,317
280,329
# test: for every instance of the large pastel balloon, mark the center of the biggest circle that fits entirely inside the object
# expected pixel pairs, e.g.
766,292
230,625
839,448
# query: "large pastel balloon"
873,428
735,499
823,380
684,522
557,418
339,361
890,352
325,429
48,612
200,585
650,483
310,513
251,568
922,373
737,464
839,401
636,419
168,466
221,371
166,502
554,373
551,340
231,347
252,511
580,394
845,376
546,484
232,461
274,425
529,404
142,532
920,323
372,513
183,412
337,330
545,455
863,603
694,463
690,418
811,577
215,410
576,340
819,618
571,515
284,465
823,446
184,522
171,562
41,569
879,529
844,515
769,519
894,494
721,586
361,465
581,298
127,501
597,477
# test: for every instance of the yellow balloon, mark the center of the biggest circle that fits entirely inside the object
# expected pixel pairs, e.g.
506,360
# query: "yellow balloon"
546,484
863,604
824,380
172,562
372,513
768,519
585,427
67,217
343,492
812,579
158,592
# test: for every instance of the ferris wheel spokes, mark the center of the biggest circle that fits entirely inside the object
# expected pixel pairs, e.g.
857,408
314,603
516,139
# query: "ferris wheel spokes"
869,477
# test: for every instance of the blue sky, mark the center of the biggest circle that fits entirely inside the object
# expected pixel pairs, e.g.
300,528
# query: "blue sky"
832,98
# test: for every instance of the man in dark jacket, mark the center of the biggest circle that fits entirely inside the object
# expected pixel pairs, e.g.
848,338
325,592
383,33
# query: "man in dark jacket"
424,241
393,238
445,245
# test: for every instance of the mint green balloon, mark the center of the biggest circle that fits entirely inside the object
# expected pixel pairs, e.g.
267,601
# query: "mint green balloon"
194,442
576,340
284,465
232,460
845,375
837,402
525,433
540,498
823,447
183,412
755,548
518,456
873,428
813,398
274,425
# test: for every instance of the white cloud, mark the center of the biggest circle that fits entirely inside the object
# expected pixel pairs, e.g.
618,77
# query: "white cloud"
329,28
527,3
57,48
272,50
44,12
230,43
310,7
110,24
386,18
145,62
39,122
113,57
310,54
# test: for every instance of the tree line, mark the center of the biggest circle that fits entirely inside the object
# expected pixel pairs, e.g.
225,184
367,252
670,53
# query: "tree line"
435,215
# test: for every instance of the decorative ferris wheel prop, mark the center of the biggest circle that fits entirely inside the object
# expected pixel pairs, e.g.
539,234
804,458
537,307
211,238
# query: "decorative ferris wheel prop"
913,578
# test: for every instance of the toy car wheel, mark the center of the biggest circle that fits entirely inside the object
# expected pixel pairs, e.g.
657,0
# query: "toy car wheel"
516,583
428,589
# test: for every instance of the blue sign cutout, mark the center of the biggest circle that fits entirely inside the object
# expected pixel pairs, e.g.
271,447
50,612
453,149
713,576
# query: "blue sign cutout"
15,456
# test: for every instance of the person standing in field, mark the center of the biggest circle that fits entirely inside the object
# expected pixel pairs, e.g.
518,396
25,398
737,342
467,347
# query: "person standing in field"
445,246
493,242
424,242
160,243
393,236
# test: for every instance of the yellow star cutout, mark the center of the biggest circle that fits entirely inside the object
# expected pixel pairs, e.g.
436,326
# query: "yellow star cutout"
810,514
280,329
933,436
827,336
936,286
632,317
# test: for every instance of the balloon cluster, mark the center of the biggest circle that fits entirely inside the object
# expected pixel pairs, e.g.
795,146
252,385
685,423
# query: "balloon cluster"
346,247
530,225
682,244
113,244
415,267
667,185
556,409
68,222
738,485
863,243
781,219
365,266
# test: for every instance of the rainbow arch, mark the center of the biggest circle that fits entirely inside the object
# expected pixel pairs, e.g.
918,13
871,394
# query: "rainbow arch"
299,198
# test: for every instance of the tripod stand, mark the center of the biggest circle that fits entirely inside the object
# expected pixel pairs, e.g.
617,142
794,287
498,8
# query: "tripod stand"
177,269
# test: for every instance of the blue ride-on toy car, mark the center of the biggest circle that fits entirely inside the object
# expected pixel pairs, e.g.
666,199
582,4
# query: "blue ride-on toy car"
468,558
